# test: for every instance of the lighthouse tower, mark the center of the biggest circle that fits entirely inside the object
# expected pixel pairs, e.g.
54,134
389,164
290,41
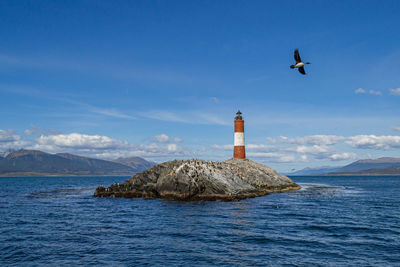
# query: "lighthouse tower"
238,150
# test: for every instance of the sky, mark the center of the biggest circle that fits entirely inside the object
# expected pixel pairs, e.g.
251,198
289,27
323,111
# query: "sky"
163,79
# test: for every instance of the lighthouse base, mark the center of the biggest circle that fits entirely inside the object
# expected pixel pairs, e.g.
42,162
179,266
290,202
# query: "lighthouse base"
239,152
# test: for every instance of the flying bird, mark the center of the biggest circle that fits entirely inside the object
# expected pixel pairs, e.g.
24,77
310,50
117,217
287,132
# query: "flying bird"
299,64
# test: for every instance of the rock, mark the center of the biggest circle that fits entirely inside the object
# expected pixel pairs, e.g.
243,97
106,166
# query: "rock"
233,179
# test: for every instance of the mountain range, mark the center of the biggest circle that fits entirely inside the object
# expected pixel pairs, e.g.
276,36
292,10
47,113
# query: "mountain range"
37,163
379,166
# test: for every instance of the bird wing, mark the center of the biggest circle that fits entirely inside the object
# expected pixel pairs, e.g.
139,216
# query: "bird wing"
302,71
297,56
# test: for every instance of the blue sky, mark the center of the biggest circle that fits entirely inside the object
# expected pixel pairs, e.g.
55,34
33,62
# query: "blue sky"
164,79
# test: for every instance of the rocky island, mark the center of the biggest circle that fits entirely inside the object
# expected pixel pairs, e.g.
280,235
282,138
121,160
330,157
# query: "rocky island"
230,180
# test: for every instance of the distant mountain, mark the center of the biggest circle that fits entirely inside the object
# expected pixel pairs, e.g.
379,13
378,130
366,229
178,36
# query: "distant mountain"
380,166
366,164
5,153
392,170
137,163
33,162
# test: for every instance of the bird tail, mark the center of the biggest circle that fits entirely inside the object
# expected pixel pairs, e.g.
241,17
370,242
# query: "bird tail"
292,66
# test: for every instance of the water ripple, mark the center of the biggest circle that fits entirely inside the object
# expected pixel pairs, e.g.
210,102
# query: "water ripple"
331,221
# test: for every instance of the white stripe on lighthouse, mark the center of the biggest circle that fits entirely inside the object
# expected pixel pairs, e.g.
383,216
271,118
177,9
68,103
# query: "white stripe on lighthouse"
239,139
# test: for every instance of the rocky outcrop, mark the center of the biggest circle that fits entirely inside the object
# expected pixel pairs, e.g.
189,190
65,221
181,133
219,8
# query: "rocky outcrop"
233,179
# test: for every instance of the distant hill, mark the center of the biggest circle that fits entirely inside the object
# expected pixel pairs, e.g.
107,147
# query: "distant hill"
137,163
366,164
5,153
380,166
33,162
392,170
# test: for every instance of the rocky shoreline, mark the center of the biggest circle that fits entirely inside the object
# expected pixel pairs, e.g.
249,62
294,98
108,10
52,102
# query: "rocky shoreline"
191,180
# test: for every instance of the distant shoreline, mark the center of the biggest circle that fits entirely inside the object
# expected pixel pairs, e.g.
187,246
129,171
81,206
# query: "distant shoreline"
345,174
57,175
125,175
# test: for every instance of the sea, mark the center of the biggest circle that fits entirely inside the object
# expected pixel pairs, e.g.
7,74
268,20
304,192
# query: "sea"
331,221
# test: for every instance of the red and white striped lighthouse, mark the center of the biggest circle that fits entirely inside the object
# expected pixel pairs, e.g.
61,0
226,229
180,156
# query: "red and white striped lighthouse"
239,150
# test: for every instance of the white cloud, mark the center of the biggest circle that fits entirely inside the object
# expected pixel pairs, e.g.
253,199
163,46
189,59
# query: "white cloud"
396,128
96,146
10,140
313,140
8,136
323,153
163,138
105,147
261,147
78,141
282,150
315,150
215,99
374,142
250,147
372,92
285,153
172,147
360,91
37,130
29,132
297,149
271,140
343,156
177,139
273,157
320,144
395,91
317,147
222,147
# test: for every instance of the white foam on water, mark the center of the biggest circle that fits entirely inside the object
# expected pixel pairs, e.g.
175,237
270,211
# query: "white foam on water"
324,190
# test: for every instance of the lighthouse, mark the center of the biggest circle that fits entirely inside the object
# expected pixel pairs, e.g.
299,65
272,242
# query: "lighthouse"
239,150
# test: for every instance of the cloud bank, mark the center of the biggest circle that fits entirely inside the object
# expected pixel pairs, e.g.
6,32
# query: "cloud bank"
9,140
395,91
163,138
317,147
371,92
97,146
162,147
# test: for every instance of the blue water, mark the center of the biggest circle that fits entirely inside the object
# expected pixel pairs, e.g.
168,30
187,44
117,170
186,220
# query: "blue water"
332,221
